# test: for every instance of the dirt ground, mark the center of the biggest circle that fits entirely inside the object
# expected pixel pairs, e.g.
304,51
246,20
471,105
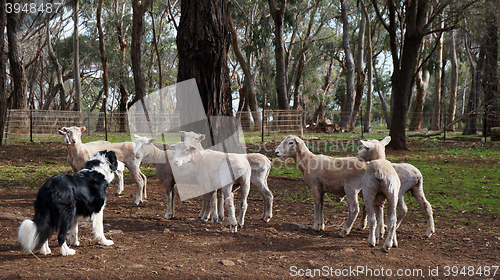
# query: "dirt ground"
149,247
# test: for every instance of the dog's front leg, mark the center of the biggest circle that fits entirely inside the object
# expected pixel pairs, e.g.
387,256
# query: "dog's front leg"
98,229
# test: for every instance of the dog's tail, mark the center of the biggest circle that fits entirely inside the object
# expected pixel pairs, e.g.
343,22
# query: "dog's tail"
28,236
32,234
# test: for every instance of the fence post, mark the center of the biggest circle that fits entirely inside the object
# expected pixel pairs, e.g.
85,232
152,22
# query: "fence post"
31,125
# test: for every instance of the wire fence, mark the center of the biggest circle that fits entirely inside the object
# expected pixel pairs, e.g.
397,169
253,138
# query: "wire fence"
37,125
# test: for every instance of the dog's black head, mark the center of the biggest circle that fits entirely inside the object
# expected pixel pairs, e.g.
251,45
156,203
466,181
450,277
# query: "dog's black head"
111,157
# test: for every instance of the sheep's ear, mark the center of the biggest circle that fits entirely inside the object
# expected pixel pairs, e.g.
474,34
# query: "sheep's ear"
386,140
183,133
151,141
202,137
82,129
62,132
367,144
192,148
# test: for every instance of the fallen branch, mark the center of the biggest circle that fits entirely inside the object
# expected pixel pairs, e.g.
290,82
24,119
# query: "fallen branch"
441,131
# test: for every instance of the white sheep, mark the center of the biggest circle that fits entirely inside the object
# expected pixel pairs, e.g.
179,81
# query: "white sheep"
380,178
323,174
411,180
211,173
76,164
124,152
260,166
146,151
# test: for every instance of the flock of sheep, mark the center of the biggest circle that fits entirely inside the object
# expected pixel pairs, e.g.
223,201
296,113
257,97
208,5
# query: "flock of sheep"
369,172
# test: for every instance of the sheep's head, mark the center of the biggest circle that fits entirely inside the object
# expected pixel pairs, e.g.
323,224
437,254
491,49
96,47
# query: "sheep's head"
193,138
142,146
373,149
72,135
183,153
64,132
288,146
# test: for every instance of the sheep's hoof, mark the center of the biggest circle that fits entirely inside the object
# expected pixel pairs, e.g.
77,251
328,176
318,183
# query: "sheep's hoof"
319,227
233,228
75,243
266,219
385,249
137,201
169,216
343,233
429,233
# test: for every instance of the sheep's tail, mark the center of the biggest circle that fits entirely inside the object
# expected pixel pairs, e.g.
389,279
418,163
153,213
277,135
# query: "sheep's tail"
379,174
32,234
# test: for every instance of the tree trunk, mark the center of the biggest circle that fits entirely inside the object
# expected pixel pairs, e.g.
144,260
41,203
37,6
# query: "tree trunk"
55,62
422,82
490,75
202,42
369,66
102,122
123,122
3,72
76,59
402,76
383,102
346,112
453,81
436,115
138,10
278,16
360,73
249,88
19,97
473,101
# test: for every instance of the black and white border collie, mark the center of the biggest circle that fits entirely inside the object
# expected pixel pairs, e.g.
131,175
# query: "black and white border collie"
63,199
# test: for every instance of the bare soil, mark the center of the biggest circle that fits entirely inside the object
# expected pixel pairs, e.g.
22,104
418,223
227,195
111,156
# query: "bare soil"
149,247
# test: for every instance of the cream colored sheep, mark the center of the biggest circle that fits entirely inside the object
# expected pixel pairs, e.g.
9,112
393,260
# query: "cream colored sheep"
324,174
76,163
124,152
260,166
380,178
411,180
146,151
212,172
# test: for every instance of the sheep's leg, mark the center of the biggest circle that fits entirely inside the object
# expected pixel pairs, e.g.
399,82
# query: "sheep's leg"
169,188
319,220
379,215
214,214
245,189
220,205
144,183
362,223
352,201
370,209
98,229
139,180
203,208
231,215
119,175
402,210
207,206
392,199
426,208
73,234
261,185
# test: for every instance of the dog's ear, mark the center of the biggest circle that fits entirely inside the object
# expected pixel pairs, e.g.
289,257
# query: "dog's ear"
111,157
